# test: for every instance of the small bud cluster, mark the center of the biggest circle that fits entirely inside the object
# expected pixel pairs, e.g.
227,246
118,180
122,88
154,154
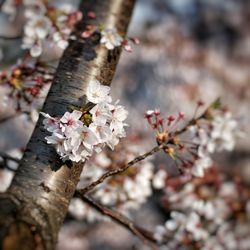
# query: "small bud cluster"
191,147
163,126
208,213
76,135
125,192
110,37
24,82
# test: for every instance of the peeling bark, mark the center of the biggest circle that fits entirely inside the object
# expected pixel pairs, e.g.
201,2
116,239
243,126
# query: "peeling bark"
34,207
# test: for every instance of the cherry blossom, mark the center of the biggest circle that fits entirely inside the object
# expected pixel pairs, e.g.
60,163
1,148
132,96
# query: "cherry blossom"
110,38
203,215
200,165
100,113
119,115
76,135
50,123
97,93
159,179
47,24
224,131
70,122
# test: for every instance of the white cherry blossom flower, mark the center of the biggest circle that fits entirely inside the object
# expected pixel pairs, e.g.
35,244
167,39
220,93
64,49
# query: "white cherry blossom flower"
159,233
97,93
86,138
206,209
38,27
111,39
193,226
100,113
224,131
34,9
200,165
119,115
50,123
36,49
35,31
114,140
63,44
103,133
159,179
71,122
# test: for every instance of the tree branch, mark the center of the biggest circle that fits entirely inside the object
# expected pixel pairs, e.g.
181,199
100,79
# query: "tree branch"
120,219
121,169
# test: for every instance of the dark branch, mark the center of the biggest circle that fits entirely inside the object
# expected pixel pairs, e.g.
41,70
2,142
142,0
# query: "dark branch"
8,157
121,169
146,237
5,158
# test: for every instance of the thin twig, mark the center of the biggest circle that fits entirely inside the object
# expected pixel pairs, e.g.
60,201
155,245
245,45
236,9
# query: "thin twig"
141,157
146,238
194,120
122,169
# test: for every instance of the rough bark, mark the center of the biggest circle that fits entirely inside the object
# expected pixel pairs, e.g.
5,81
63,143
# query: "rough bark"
35,205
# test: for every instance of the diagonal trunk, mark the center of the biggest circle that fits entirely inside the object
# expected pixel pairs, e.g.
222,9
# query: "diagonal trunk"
34,207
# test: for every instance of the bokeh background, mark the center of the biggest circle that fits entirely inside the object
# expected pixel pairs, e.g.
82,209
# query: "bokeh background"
189,50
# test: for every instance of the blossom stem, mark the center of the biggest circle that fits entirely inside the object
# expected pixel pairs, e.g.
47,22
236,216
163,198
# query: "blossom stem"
121,169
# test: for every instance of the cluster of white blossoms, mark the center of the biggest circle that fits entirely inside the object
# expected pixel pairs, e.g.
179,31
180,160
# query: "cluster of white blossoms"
46,25
213,136
75,139
36,29
206,215
125,192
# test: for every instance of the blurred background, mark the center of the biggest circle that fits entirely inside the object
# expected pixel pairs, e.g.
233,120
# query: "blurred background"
189,50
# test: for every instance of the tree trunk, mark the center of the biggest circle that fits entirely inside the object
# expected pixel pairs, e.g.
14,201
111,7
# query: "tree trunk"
34,207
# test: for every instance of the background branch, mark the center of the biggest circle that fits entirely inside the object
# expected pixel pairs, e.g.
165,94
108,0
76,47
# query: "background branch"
8,157
121,169
146,237
4,163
